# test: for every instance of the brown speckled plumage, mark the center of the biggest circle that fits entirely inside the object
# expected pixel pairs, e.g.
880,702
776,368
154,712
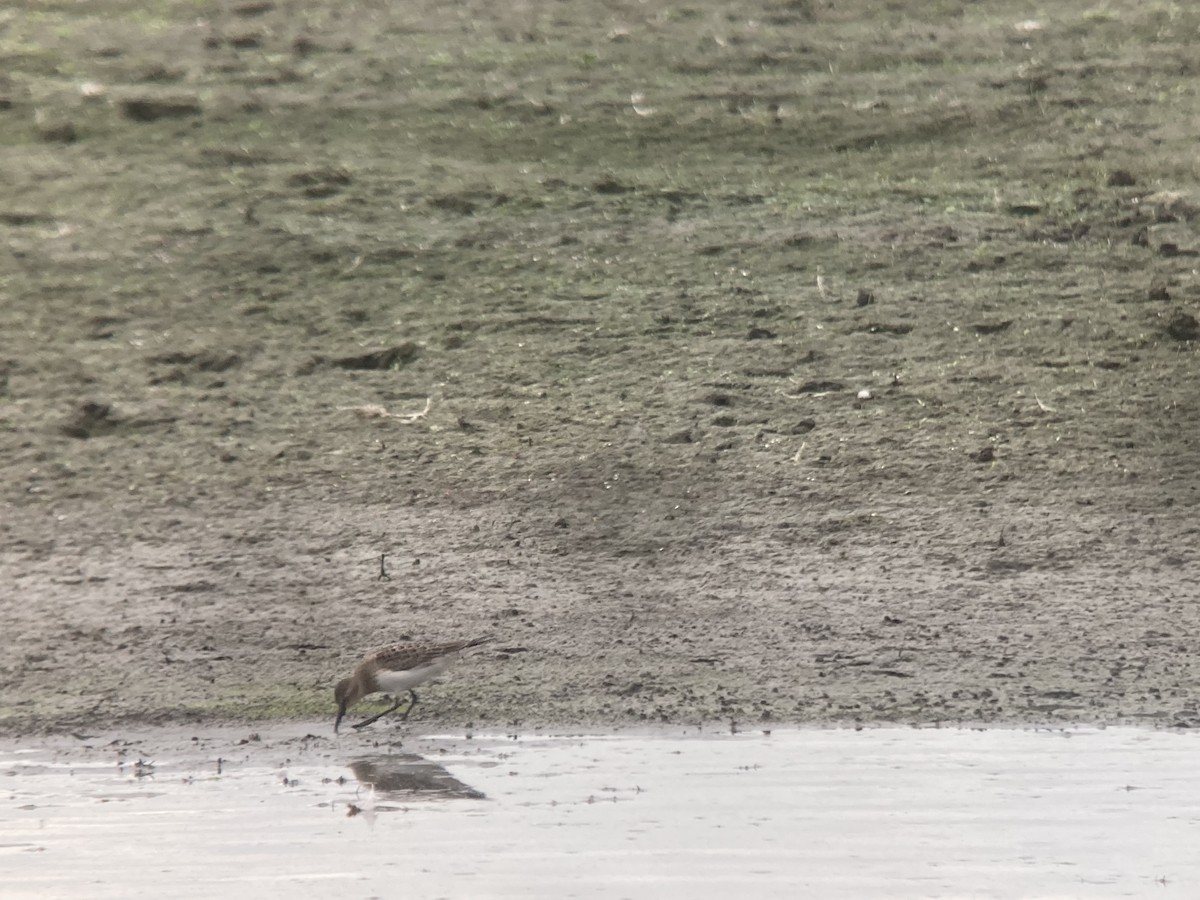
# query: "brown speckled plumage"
396,668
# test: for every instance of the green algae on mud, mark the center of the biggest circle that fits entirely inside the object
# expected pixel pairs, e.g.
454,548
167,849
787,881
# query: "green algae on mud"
798,361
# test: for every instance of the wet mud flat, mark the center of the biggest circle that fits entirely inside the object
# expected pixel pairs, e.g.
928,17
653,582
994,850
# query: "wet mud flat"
788,362
842,813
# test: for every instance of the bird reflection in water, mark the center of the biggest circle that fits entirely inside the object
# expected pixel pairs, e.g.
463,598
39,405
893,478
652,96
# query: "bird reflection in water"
406,776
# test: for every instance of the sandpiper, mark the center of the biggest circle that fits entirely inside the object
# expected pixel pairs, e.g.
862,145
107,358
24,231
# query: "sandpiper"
396,669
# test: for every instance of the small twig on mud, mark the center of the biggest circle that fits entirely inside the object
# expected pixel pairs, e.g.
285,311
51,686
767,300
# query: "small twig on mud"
1042,406
780,392
375,411
796,458
383,574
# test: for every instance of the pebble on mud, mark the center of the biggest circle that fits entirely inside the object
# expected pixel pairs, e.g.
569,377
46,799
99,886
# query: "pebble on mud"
991,327
392,358
90,420
683,436
57,131
1183,326
321,182
151,109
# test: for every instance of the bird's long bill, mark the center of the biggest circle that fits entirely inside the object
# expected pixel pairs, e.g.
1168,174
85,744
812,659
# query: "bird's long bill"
338,720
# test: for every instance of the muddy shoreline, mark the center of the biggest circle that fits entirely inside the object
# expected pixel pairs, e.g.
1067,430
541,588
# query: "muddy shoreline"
838,379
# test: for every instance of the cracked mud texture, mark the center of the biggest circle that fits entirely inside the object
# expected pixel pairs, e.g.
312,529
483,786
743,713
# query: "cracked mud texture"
790,361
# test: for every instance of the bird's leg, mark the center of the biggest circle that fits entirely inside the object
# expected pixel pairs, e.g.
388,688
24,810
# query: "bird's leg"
411,703
395,706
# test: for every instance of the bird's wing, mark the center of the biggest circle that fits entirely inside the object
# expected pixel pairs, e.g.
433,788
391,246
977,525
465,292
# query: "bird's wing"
399,657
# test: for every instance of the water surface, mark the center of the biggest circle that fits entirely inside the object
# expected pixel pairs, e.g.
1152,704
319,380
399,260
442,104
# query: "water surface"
819,813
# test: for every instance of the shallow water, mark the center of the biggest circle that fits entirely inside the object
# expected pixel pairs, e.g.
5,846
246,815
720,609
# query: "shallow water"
819,813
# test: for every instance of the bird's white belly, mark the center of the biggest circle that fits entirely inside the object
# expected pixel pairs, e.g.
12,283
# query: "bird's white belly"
396,682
